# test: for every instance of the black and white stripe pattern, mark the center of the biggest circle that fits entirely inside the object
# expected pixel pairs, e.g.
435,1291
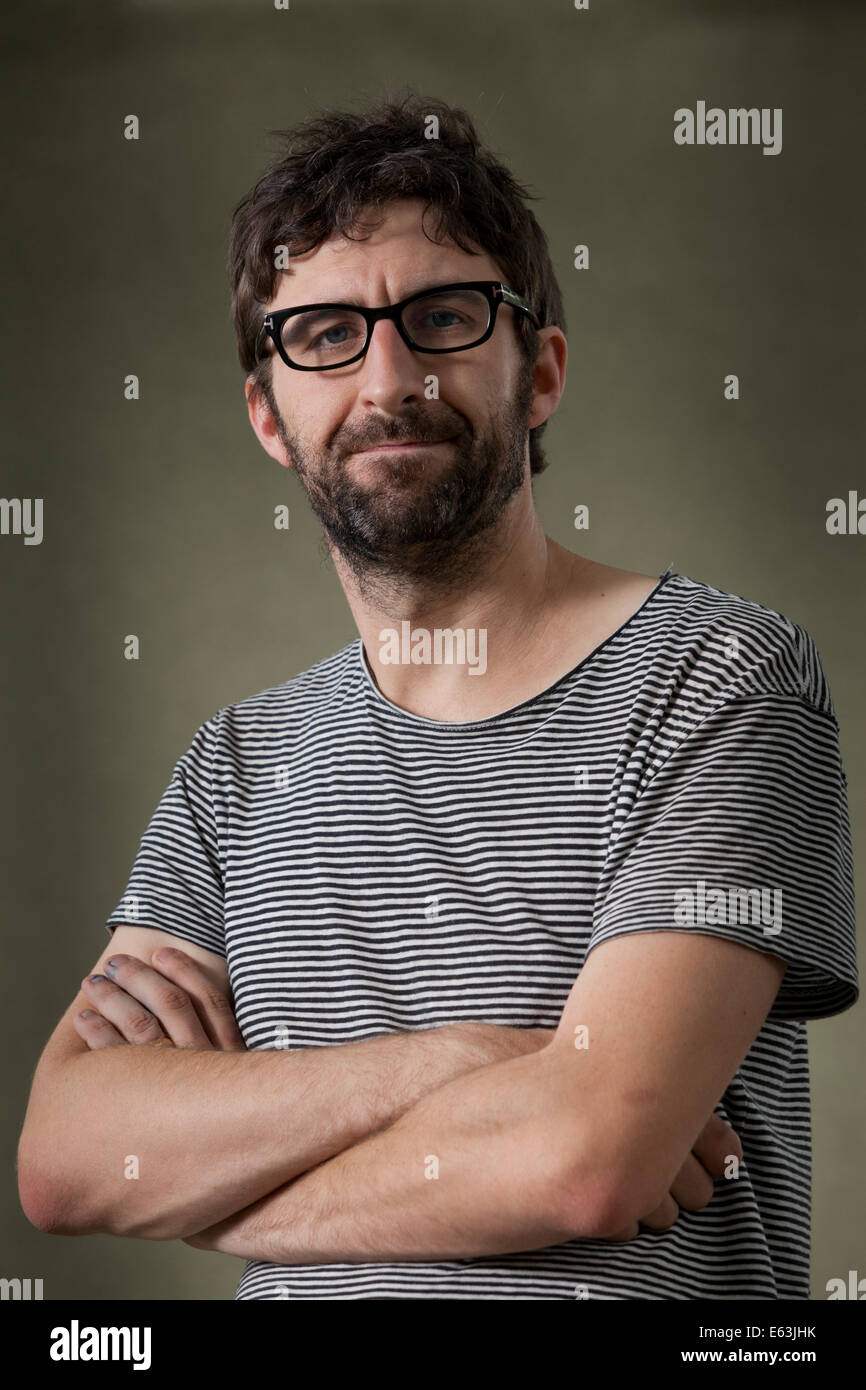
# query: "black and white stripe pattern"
367,870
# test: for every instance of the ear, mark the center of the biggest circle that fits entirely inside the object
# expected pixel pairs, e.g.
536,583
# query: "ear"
264,424
548,374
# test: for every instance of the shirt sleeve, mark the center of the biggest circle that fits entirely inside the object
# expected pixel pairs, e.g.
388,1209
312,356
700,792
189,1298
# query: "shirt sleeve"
742,832
176,883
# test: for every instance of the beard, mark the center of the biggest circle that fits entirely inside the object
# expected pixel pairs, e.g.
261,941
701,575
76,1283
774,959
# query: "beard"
407,520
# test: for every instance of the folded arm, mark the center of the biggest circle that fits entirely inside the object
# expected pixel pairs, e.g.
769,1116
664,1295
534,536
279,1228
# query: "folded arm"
577,1140
474,1168
160,1143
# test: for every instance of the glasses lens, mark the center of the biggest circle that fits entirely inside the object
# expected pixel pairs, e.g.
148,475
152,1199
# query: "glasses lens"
447,318
323,337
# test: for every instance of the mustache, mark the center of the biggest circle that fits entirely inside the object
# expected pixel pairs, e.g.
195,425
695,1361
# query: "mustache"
403,431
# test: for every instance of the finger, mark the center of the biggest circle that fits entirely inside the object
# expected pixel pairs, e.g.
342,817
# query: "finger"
692,1187
715,1144
627,1233
663,1217
132,1022
169,1005
213,1006
96,1031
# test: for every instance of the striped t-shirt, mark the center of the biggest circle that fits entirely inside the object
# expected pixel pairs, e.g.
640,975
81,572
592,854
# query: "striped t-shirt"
366,870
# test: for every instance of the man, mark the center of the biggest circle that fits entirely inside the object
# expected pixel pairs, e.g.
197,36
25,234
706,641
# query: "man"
523,897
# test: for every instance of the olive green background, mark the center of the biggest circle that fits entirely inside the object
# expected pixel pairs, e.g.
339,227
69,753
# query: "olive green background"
159,514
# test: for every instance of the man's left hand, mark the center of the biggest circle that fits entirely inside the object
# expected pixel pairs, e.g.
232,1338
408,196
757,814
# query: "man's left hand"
170,1001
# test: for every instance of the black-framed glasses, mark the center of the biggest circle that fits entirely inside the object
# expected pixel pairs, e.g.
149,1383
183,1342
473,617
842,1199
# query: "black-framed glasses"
447,318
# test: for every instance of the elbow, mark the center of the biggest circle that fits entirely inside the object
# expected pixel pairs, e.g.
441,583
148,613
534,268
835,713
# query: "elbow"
602,1209
52,1203
586,1209
43,1204
50,1200
594,1202
57,1211
60,1209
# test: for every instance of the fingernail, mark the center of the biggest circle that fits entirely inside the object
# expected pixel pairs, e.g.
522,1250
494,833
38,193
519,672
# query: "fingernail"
165,954
96,978
87,1013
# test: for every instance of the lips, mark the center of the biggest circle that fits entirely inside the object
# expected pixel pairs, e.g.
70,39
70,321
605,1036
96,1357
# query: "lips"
403,444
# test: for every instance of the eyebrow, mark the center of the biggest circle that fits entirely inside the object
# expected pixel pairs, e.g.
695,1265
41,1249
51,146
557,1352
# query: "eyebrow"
426,284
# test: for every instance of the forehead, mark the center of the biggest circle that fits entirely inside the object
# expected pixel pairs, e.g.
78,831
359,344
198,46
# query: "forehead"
390,258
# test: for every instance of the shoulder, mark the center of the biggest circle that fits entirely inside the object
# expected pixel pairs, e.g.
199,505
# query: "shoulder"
312,698
714,646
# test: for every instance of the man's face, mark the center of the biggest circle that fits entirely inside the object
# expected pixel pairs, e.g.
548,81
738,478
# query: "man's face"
404,486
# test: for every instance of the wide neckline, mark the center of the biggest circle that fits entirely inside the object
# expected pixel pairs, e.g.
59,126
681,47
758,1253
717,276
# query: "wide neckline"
509,713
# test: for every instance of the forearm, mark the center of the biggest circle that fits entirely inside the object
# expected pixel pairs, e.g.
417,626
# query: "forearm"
472,1169
160,1143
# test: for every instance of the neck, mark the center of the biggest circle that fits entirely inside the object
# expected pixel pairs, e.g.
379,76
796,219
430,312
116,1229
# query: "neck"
499,617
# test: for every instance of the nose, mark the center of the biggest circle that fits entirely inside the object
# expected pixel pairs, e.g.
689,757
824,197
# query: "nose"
392,373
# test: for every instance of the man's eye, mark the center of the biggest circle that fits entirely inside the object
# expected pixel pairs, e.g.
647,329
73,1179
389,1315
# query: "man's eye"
330,337
319,334
436,318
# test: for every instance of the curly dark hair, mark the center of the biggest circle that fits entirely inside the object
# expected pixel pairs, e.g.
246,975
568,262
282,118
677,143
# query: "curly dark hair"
339,163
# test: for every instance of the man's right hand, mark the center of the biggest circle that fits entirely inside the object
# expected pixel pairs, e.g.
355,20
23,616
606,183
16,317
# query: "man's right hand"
693,1186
